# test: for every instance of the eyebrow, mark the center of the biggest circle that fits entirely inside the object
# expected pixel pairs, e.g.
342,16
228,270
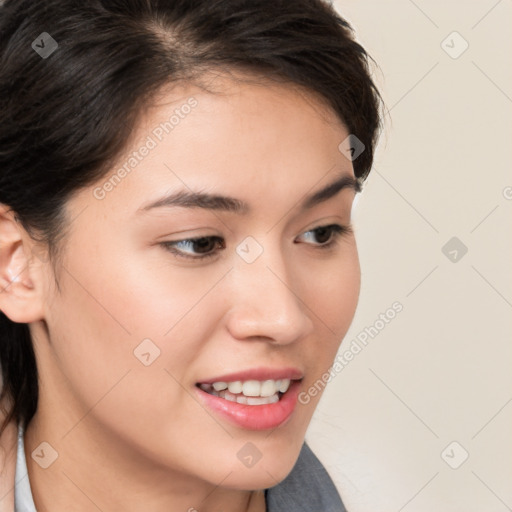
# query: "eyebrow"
192,199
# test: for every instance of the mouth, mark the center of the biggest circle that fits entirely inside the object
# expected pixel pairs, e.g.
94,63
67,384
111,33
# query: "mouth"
249,392
252,404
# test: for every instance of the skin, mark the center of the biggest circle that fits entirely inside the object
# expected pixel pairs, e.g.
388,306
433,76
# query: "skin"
132,437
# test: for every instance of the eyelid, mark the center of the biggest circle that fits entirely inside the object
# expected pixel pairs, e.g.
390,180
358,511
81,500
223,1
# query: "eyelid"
338,231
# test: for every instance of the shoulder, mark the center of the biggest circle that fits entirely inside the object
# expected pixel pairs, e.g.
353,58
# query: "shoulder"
308,488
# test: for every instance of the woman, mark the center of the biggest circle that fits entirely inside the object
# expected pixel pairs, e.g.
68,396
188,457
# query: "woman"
177,262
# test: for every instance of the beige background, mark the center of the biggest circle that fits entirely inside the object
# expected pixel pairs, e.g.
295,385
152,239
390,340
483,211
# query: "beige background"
440,371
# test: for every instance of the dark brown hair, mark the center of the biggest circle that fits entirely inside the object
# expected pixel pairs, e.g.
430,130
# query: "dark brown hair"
67,112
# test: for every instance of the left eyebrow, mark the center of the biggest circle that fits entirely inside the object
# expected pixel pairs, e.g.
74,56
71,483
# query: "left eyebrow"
193,199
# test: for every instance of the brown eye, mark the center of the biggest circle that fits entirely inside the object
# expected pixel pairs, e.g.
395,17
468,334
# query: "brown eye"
329,234
202,246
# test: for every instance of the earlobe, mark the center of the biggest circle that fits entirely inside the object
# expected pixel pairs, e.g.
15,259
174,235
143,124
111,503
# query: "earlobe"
19,297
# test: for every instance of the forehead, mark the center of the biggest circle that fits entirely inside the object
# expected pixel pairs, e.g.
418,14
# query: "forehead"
248,86
275,137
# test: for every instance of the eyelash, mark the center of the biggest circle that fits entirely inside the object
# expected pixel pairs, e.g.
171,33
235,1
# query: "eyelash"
337,231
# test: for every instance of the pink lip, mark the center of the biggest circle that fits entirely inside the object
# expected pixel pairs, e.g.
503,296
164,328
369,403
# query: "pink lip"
258,374
253,417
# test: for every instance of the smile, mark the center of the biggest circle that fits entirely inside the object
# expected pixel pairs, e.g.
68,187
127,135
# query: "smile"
251,404
249,392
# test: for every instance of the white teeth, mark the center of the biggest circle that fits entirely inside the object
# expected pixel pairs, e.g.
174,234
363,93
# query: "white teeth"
235,387
251,400
285,384
228,396
246,400
268,388
249,388
219,386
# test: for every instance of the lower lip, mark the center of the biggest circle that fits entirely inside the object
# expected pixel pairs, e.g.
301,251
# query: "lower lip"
254,417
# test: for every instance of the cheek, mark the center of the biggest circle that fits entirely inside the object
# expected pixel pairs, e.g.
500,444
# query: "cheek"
349,288
96,331
334,292
333,299
155,297
116,316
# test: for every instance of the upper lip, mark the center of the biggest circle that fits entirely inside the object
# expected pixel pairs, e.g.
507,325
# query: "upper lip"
258,374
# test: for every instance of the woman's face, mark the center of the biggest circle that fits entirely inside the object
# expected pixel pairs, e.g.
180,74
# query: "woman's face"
141,320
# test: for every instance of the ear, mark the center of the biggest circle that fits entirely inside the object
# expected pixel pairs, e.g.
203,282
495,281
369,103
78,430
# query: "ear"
20,290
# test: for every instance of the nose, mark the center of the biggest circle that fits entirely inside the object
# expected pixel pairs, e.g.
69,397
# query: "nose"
265,304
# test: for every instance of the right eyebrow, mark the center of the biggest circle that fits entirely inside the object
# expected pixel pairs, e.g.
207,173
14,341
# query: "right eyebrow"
196,199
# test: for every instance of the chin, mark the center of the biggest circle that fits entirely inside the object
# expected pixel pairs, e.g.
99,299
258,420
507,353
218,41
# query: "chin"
257,479
269,470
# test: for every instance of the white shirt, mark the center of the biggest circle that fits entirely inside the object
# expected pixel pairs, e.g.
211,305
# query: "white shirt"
23,501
